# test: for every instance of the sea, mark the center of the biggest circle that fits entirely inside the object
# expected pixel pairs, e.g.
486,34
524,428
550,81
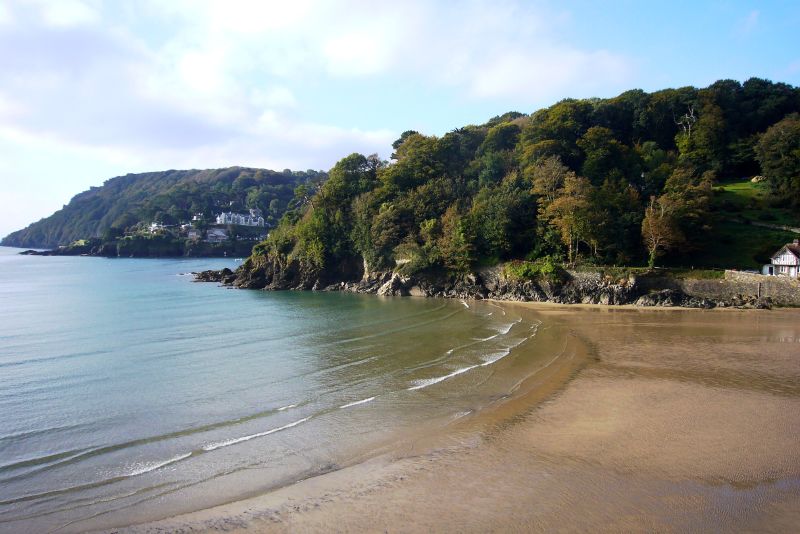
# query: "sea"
129,392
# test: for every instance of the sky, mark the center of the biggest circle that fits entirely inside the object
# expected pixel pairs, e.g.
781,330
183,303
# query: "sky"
91,89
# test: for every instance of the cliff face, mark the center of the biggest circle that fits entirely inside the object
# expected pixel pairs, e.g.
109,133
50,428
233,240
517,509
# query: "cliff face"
491,283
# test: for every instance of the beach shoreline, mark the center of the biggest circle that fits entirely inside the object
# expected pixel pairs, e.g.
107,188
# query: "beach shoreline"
655,432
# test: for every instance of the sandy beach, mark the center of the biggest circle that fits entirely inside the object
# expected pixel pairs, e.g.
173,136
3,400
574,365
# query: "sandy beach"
649,420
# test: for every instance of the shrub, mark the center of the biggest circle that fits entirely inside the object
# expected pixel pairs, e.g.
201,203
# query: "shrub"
544,268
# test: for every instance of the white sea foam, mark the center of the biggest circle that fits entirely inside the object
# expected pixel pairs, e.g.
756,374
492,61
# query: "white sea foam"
146,468
494,357
505,329
498,307
356,403
419,384
233,441
287,407
475,341
459,415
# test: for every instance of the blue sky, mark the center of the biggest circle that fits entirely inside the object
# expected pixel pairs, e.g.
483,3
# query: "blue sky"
92,89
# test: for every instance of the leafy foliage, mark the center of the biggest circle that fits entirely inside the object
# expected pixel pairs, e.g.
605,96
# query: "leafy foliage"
617,181
168,197
778,152
544,269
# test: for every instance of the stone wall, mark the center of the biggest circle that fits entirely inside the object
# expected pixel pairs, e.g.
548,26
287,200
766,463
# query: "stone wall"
781,291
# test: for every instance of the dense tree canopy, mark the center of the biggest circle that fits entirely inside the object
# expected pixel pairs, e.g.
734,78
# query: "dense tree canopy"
778,152
621,180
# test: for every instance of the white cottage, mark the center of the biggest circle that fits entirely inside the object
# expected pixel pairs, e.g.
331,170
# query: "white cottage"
785,262
254,218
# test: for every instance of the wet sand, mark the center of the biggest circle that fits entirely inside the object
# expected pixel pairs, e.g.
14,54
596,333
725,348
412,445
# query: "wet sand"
651,420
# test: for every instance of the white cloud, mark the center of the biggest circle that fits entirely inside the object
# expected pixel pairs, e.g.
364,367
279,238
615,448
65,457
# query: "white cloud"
206,83
274,97
5,15
546,75
65,13
212,68
356,53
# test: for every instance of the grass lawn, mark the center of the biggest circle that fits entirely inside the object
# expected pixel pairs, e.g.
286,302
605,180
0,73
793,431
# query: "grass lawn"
750,201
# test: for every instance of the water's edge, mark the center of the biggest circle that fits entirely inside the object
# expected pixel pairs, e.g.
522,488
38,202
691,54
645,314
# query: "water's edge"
530,389
573,287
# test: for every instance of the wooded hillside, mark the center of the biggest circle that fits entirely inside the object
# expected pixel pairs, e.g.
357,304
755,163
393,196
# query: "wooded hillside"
168,197
629,180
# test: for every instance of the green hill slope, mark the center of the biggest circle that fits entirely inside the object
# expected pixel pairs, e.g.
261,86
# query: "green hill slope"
168,197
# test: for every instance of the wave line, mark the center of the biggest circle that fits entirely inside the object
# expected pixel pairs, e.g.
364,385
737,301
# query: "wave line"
431,381
356,403
233,441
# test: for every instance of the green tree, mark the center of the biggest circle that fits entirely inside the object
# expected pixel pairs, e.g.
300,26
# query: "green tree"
547,177
603,154
569,213
455,243
778,152
402,139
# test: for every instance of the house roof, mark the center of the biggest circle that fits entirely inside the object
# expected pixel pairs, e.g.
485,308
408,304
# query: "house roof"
794,248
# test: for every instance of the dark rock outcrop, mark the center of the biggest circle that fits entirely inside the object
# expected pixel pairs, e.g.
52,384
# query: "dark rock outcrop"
225,276
491,283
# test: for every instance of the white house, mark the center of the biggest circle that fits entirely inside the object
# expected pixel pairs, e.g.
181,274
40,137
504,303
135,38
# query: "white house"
254,218
785,262
216,235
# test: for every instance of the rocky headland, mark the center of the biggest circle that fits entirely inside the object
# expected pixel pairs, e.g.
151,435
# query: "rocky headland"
569,287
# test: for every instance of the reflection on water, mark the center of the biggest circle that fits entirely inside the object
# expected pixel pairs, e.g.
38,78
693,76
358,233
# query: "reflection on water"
130,392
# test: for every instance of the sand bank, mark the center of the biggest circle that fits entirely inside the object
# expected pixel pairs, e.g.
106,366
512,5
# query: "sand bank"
653,420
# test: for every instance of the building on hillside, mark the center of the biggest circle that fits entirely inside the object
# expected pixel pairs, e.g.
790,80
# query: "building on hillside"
216,235
254,218
156,227
194,233
785,262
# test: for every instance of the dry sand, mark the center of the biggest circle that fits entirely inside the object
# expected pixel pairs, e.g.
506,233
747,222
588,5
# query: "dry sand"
654,420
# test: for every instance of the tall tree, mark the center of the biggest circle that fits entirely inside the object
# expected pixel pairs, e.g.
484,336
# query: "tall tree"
570,213
659,228
547,177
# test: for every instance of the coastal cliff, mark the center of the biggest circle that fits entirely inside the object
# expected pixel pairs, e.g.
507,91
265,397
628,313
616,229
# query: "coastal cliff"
565,287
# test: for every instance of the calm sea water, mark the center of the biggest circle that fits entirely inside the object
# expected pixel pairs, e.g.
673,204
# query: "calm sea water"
129,392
